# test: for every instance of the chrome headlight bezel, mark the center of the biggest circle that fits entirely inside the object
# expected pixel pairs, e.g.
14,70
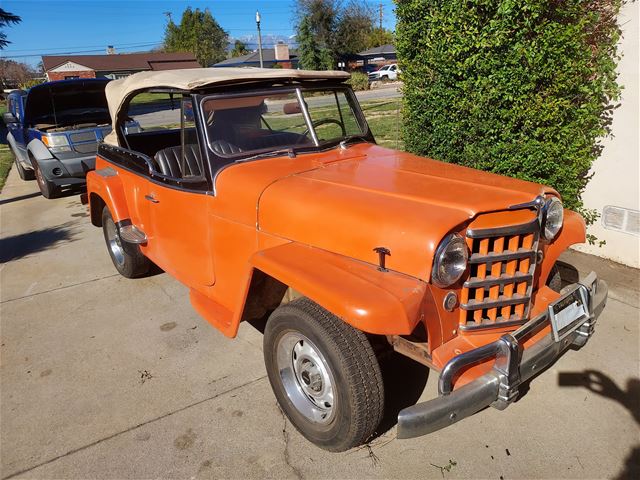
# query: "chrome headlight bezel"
450,261
552,218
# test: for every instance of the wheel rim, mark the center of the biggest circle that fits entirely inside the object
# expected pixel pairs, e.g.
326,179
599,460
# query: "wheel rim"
113,242
306,377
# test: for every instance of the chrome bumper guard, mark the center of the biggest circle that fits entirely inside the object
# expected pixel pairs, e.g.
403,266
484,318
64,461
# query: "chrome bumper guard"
513,366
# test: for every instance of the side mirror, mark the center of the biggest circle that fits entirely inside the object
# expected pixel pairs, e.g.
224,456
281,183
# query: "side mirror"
9,118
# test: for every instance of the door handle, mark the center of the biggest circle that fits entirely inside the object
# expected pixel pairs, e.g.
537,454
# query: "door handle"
151,198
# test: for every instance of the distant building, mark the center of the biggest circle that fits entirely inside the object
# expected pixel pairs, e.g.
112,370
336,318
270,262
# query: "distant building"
380,55
61,67
280,55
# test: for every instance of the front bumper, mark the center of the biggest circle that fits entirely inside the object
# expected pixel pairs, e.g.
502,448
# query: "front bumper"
69,170
513,366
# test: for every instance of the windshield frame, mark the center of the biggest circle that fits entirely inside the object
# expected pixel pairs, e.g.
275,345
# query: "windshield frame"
298,91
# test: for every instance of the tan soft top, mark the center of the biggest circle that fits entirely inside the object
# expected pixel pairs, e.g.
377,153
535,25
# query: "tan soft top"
193,78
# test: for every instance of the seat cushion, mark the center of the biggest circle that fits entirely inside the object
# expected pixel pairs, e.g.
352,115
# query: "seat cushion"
224,148
169,161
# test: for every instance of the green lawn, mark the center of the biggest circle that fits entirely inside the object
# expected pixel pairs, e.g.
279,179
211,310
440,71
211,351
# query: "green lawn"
6,159
384,119
5,154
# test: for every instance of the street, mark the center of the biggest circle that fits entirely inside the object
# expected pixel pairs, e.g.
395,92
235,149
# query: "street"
105,377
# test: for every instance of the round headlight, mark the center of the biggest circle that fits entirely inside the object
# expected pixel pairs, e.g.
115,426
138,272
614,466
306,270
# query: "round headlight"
450,261
554,215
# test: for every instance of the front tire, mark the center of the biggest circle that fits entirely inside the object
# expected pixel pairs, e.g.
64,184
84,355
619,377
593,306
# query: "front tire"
324,374
128,259
47,188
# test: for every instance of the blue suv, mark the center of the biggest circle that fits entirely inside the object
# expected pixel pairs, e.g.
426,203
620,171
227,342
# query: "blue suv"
54,130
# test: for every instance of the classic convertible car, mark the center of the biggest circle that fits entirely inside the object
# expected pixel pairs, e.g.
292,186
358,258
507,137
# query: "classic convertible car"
264,192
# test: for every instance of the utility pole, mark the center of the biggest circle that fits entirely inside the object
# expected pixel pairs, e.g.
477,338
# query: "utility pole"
168,15
259,39
380,5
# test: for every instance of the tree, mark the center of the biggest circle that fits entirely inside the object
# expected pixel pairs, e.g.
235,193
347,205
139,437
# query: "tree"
312,55
14,74
239,49
522,88
198,33
6,19
379,37
323,18
354,27
336,29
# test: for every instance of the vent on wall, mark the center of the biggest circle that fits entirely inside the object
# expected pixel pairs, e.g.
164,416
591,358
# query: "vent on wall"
621,219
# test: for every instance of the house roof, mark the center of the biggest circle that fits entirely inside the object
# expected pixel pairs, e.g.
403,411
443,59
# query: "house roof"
268,55
381,50
125,61
190,79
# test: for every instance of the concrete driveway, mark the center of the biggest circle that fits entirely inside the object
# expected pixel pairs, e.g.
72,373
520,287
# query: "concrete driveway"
104,377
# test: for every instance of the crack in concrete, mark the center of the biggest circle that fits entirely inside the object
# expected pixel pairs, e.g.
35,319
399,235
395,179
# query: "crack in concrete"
285,453
59,288
130,429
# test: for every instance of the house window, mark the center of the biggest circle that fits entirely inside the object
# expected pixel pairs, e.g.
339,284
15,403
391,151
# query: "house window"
71,77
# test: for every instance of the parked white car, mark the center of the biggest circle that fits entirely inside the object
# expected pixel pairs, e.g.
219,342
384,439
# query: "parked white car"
388,72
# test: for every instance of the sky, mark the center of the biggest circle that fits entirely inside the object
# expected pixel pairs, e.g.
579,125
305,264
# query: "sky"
57,27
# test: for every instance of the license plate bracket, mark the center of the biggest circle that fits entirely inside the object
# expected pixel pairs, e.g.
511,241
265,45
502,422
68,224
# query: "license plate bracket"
568,312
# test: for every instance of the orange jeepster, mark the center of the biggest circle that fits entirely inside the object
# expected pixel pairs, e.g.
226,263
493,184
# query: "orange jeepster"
264,192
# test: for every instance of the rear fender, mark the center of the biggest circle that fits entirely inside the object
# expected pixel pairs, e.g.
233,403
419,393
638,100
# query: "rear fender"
374,301
104,187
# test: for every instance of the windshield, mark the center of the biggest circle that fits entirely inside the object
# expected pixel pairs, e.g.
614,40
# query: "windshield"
259,123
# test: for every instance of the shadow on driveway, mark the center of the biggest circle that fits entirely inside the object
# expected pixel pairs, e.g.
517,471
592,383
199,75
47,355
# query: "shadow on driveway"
600,384
21,197
19,246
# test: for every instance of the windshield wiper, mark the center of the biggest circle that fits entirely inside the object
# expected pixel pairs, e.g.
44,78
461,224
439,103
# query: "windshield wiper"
291,152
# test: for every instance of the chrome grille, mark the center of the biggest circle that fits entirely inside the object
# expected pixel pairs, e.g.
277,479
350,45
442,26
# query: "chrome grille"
501,272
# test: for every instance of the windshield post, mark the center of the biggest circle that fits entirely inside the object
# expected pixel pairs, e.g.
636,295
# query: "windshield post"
307,117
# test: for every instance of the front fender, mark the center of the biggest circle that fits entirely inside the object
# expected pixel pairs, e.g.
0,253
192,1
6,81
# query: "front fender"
374,301
573,231
39,150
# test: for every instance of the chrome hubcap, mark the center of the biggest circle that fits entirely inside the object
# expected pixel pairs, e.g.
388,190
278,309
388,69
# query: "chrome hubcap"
114,243
306,377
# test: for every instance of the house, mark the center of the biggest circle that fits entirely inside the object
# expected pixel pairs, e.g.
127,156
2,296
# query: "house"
61,67
280,55
376,56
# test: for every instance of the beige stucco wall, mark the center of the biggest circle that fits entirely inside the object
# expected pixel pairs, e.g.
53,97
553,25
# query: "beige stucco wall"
616,176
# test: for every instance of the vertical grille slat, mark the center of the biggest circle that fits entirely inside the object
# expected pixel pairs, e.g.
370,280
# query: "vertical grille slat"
502,267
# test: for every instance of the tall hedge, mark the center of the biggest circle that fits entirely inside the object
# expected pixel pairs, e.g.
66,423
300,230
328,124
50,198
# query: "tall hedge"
524,88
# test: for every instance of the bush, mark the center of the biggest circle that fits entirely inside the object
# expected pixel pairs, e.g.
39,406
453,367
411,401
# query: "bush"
521,88
359,81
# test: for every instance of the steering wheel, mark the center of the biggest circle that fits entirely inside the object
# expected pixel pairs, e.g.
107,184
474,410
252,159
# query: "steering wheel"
326,121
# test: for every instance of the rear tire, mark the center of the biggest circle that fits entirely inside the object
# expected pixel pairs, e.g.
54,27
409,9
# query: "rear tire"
128,259
324,374
47,188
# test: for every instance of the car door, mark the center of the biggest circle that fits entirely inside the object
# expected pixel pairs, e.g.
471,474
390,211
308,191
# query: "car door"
179,227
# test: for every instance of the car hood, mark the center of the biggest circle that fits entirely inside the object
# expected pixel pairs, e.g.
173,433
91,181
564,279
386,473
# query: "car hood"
48,102
385,198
